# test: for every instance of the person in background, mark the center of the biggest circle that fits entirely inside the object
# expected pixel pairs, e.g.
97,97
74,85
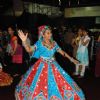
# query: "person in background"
15,51
75,41
82,54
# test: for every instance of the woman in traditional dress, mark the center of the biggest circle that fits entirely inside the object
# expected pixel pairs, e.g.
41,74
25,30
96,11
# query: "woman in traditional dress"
46,80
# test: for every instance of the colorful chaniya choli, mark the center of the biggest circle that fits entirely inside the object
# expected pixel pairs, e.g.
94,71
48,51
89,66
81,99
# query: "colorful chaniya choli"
46,80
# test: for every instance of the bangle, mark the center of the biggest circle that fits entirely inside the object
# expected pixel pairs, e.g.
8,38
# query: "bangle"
64,54
24,44
71,59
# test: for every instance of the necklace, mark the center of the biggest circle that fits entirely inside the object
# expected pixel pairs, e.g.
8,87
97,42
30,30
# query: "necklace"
48,45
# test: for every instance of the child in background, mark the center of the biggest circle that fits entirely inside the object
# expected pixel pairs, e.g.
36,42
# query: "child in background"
82,54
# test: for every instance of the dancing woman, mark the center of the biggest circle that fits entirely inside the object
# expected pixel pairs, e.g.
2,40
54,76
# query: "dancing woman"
46,80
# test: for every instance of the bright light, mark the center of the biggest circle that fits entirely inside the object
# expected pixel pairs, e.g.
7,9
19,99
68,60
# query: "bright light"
59,2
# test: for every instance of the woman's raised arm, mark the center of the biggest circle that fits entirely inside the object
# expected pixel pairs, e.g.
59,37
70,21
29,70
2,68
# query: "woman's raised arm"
23,37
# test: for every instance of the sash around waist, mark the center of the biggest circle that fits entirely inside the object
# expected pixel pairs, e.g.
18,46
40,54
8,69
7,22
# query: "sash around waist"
47,59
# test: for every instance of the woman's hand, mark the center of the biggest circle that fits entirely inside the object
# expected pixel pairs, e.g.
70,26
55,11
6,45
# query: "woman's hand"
22,36
75,61
66,55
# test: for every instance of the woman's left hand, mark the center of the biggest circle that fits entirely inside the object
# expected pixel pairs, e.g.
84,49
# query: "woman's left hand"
75,62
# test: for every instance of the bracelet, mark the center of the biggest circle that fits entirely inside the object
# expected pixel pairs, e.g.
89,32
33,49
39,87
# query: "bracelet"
24,44
64,54
71,59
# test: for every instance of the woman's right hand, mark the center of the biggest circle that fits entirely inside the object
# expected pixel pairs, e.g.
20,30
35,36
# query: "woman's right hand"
22,36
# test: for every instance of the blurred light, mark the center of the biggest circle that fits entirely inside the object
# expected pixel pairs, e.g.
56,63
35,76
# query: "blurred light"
88,8
69,2
59,2
78,2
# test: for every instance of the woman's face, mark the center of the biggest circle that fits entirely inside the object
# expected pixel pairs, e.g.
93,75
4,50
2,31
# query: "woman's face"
80,32
85,32
10,31
47,35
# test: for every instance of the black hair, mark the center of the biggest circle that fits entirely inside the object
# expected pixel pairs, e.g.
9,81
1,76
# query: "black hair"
12,27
